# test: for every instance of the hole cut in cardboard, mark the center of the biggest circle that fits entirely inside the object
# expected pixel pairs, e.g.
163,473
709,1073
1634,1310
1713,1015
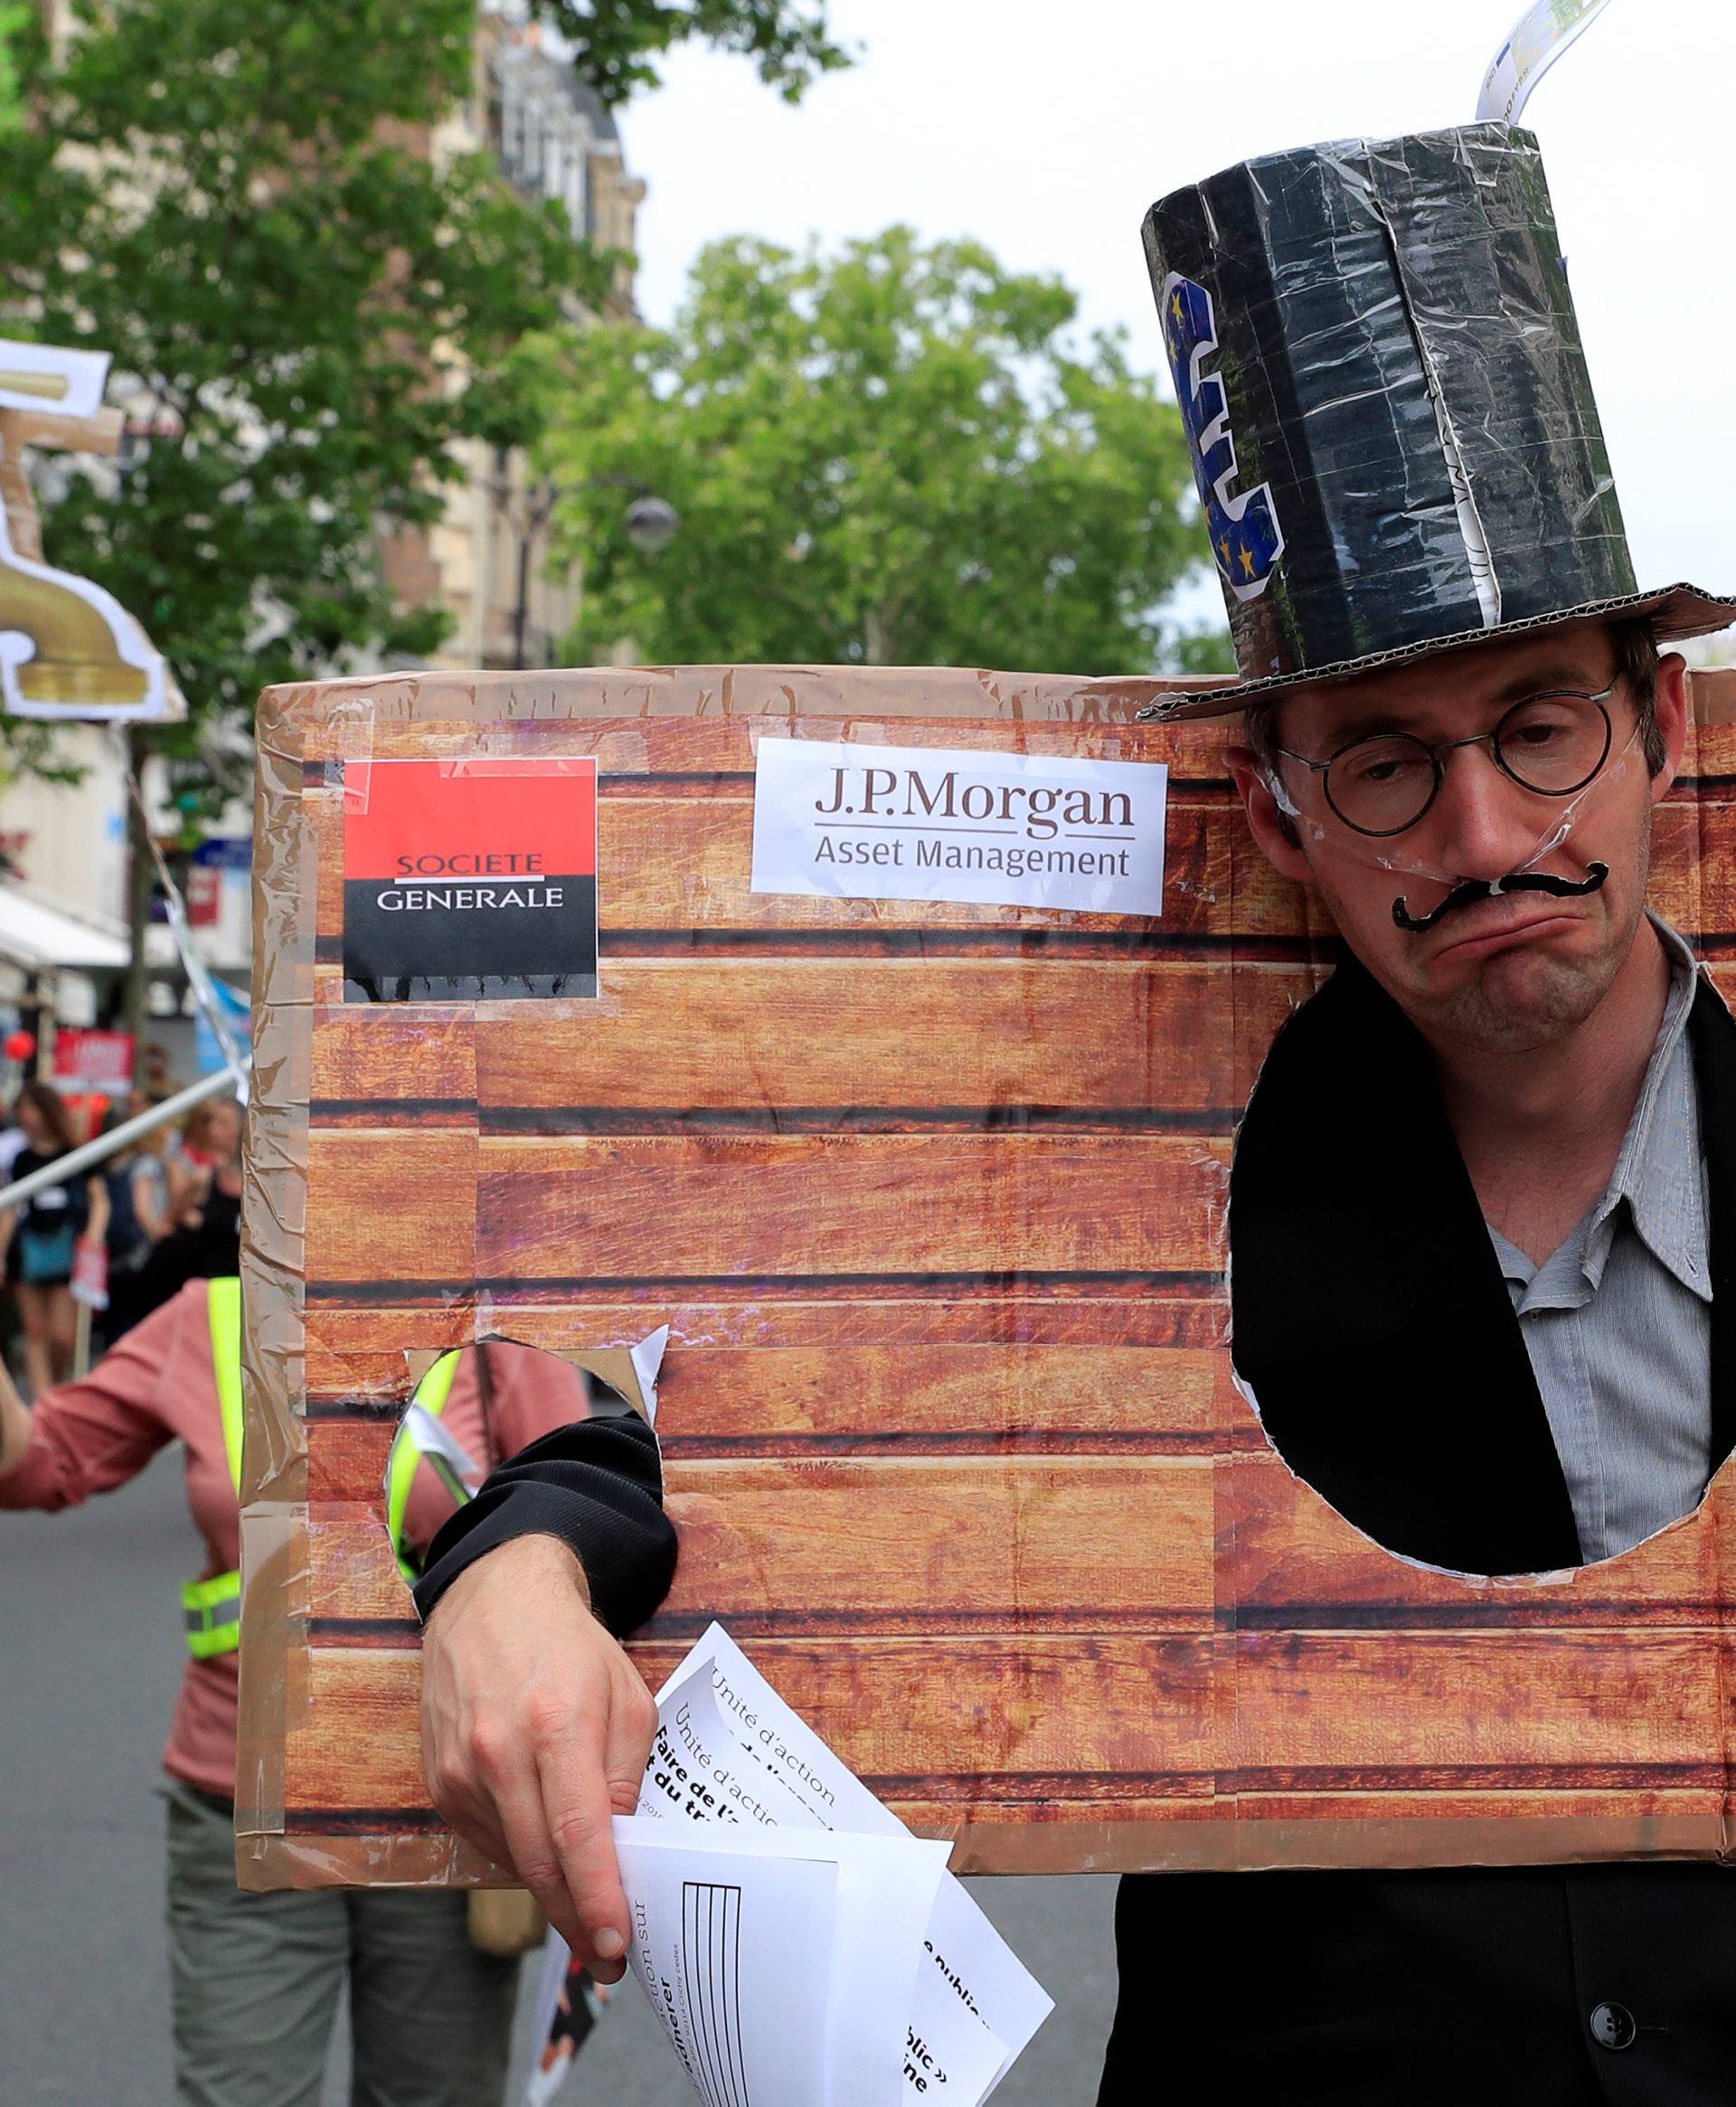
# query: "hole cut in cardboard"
473,1409
1722,1482
1373,1319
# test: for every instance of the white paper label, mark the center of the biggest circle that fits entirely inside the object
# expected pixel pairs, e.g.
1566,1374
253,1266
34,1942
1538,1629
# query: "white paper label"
941,823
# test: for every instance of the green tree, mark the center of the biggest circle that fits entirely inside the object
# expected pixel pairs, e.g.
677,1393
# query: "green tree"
16,18
235,198
894,456
615,43
227,196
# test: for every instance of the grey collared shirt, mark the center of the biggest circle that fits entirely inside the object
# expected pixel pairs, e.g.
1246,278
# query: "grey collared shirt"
1619,1321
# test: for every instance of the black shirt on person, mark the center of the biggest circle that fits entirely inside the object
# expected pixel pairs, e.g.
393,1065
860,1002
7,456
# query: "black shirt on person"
50,1223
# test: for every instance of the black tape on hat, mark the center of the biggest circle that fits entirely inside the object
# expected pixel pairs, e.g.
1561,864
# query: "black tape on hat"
1377,359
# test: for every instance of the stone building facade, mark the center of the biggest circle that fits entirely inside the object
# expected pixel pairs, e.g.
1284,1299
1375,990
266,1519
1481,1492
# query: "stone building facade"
486,561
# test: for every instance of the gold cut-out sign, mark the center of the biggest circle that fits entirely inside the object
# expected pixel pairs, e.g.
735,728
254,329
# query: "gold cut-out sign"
931,1195
67,647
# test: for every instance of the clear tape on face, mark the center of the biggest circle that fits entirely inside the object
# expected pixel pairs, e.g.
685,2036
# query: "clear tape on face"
1391,854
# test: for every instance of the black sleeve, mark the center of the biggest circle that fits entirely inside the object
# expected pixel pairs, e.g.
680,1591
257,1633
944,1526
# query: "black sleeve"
598,1486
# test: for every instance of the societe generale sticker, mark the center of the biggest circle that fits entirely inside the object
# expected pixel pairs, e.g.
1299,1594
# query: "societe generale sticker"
471,880
931,823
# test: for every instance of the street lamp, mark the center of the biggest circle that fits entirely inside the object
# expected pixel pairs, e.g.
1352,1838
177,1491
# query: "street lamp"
652,524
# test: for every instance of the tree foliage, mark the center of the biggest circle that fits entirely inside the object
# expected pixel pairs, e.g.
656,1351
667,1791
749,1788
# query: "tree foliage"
615,43
17,19
233,198
893,455
237,199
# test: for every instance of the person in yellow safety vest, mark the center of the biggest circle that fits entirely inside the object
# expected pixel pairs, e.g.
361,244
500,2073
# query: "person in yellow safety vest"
213,1607
257,1980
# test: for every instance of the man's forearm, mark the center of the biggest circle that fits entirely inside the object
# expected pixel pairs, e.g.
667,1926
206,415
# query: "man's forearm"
536,1727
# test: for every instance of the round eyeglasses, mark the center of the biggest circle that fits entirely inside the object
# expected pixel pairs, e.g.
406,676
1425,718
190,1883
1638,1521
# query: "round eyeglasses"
1553,744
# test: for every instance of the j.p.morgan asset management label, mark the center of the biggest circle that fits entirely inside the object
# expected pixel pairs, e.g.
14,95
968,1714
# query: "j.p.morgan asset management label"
469,880
925,823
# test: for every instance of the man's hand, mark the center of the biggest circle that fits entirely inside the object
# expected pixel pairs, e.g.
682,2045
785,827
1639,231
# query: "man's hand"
535,1730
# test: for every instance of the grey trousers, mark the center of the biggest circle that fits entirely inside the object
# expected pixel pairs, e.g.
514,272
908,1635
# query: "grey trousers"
256,1980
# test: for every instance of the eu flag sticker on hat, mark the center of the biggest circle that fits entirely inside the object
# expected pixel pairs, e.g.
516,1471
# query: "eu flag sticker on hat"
1393,432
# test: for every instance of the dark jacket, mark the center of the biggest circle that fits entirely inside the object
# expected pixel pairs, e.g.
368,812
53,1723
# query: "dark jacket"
1362,1274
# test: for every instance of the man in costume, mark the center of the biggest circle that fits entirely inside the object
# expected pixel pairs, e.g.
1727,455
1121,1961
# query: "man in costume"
1483,1207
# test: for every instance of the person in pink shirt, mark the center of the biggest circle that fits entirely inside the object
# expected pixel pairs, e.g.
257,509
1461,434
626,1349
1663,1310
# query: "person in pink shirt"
257,1979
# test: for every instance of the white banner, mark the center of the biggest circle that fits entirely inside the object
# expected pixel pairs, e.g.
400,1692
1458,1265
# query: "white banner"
1538,39
935,823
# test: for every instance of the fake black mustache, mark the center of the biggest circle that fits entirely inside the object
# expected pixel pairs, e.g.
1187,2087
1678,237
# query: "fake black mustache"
1476,889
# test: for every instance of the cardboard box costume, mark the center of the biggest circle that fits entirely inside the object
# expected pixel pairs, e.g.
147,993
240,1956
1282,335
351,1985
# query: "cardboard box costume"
930,1194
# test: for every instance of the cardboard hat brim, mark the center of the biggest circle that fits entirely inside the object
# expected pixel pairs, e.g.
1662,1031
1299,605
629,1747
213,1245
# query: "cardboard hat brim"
1674,611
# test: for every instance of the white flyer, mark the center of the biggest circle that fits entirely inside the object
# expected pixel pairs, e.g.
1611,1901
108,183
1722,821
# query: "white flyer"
725,1950
1534,44
731,1753
846,821
700,1771
847,1948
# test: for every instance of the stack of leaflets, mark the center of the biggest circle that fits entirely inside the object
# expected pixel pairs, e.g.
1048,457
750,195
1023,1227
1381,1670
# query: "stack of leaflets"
800,1947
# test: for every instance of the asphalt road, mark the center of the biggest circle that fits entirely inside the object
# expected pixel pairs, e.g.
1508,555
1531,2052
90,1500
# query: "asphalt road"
90,1659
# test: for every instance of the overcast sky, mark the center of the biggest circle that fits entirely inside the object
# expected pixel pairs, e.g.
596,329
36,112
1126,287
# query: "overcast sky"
1045,130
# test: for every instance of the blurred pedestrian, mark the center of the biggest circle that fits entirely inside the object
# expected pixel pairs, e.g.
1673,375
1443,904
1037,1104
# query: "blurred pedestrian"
150,1161
147,1172
203,1239
39,1237
257,1980
12,1138
140,1213
211,1142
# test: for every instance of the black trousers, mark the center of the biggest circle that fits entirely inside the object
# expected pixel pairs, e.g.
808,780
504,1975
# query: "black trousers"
1607,1986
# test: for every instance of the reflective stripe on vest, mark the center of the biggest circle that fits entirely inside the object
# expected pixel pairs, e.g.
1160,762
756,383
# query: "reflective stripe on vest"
212,1608
212,1611
431,1393
223,1309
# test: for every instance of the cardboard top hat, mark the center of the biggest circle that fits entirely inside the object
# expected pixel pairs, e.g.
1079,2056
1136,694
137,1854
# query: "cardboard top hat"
1392,427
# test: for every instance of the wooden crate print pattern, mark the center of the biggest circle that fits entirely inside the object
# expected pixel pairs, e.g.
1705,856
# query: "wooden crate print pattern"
931,1198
